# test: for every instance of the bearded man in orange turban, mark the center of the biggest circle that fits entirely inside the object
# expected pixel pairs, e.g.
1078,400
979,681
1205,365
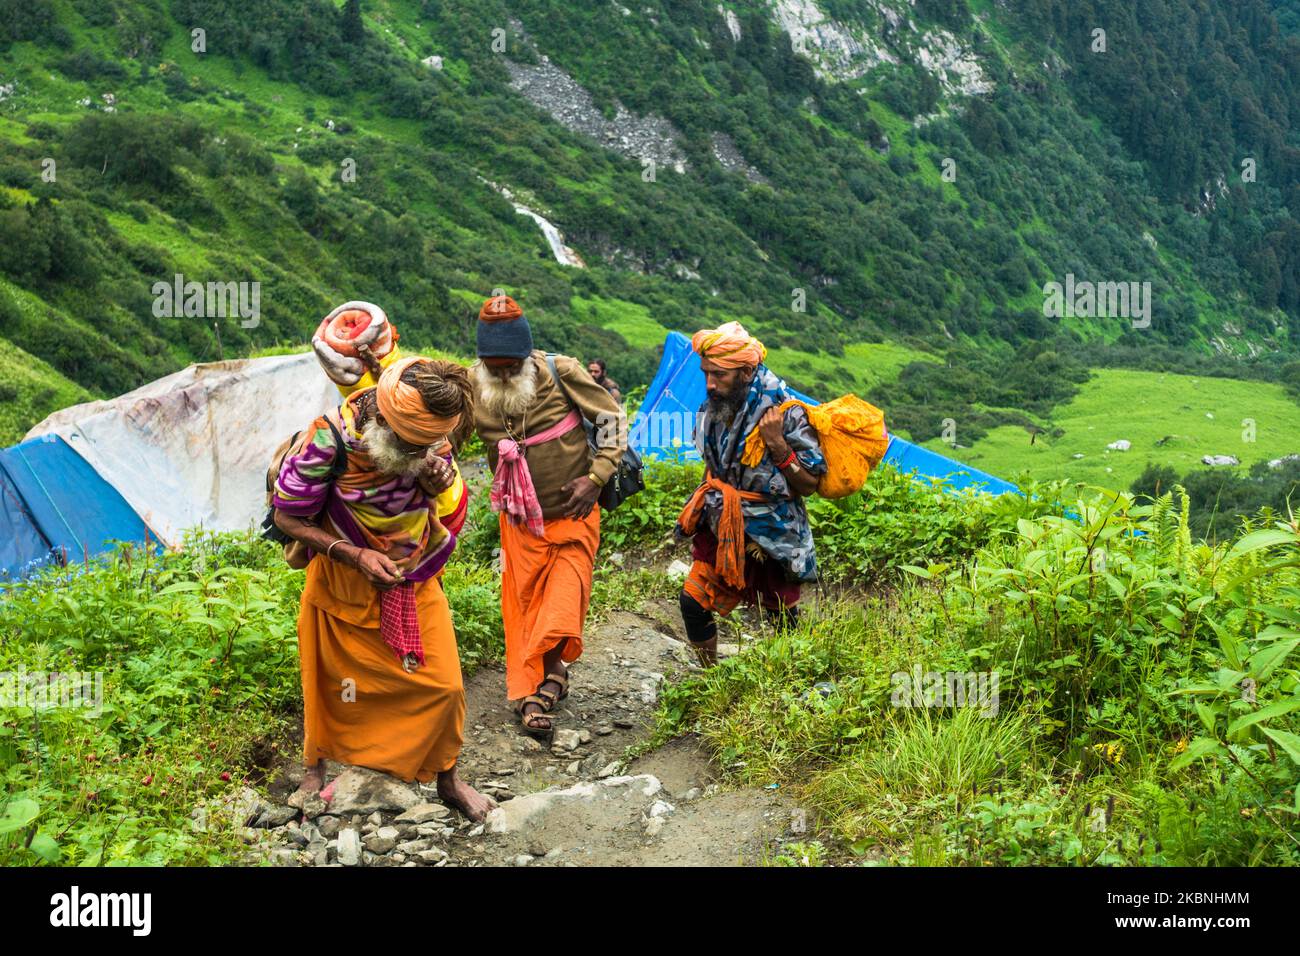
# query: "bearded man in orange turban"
532,410
373,490
751,540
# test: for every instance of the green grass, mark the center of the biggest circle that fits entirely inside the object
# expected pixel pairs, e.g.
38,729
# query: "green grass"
38,391
862,366
877,362
1081,673
628,319
1144,408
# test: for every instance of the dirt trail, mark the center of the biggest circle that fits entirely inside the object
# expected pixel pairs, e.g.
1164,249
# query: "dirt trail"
575,803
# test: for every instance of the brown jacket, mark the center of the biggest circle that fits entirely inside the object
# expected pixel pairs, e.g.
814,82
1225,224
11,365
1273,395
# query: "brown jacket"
554,463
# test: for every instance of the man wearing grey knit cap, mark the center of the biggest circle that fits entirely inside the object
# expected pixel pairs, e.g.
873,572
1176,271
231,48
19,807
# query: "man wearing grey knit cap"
546,481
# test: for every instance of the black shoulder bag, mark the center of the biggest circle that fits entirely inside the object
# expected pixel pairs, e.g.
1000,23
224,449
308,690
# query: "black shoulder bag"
627,480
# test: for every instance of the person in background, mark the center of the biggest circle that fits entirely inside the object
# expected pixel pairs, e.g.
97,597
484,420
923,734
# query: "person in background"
596,368
751,540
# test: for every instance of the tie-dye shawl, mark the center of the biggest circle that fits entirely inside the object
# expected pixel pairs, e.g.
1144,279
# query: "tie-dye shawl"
391,514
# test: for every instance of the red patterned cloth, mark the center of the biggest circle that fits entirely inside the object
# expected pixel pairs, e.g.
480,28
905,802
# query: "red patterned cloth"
398,622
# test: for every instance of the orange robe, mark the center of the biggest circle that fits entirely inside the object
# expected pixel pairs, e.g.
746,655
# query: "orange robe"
359,706
545,590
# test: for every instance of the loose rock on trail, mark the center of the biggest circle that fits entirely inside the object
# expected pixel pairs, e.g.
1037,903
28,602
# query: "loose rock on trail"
574,802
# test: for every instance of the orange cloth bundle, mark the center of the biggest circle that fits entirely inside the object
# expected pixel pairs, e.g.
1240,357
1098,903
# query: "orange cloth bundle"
853,439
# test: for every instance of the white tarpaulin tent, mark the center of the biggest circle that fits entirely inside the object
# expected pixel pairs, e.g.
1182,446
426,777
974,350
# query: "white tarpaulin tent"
192,448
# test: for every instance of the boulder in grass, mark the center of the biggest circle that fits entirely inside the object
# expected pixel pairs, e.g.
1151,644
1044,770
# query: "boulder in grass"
1122,445
1219,461
235,810
273,817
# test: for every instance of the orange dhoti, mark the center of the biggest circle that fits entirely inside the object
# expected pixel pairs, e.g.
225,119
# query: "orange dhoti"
545,590
359,706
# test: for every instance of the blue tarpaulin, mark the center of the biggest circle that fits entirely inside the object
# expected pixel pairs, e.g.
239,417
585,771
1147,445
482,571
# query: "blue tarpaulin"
55,508
664,425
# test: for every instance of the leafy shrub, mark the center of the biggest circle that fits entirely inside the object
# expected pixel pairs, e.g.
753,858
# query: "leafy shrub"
134,148
87,64
649,517
198,656
896,520
1148,693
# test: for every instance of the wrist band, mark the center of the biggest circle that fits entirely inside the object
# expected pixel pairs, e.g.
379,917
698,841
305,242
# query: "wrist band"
591,475
331,547
785,464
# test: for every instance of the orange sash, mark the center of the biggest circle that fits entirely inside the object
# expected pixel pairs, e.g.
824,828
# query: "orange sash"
730,562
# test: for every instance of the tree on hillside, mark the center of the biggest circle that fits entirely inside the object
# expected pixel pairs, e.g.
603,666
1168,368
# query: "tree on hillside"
354,31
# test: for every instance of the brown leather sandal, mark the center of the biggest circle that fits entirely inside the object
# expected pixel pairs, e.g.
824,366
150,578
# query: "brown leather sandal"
527,720
550,698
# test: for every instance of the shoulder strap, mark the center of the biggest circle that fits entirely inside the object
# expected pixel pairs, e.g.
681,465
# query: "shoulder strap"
587,426
555,374
340,462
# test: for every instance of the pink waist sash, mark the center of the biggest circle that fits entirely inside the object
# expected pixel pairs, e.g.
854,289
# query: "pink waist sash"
512,487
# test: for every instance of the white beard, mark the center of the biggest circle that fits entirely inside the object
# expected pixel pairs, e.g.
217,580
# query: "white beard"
381,445
506,399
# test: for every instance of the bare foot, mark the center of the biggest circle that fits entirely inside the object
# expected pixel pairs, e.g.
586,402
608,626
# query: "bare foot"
312,780
463,797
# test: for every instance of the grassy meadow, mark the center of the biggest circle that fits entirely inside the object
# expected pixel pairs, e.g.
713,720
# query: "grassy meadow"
1169,419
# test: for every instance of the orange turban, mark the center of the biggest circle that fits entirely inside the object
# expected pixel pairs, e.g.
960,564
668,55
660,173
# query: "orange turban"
729,346
404,409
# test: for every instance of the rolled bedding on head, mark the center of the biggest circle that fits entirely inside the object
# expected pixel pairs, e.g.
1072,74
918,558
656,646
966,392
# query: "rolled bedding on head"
339,339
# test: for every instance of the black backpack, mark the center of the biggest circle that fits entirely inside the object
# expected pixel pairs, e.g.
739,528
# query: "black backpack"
627,480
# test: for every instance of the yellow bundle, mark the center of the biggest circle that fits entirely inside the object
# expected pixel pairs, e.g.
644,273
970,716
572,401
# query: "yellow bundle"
853,439
365,381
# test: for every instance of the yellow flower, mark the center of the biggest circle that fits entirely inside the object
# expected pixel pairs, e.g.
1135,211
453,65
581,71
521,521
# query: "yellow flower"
1111,752
1181,745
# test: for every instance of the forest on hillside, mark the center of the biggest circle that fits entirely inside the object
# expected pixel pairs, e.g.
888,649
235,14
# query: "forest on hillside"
1074,163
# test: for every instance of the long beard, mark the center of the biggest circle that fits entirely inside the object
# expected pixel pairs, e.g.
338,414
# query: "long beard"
381,446
723,408
508,399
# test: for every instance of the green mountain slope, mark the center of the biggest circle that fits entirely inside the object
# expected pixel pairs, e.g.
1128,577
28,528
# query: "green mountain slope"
852,172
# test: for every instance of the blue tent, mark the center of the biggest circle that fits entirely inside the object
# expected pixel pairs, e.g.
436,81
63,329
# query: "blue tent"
55,508
664,425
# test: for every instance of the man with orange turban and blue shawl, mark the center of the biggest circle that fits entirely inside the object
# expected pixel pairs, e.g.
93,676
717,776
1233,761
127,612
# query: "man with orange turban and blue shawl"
751,540
373,490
